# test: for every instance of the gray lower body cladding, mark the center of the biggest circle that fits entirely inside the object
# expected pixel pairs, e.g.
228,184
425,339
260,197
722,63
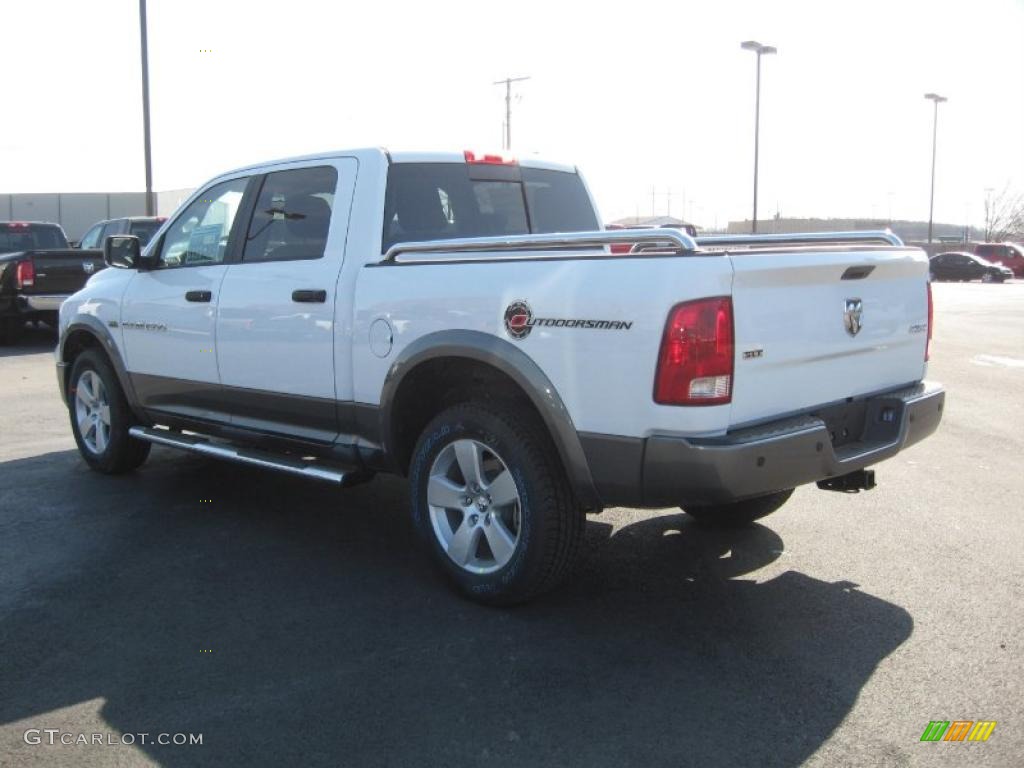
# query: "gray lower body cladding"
661,471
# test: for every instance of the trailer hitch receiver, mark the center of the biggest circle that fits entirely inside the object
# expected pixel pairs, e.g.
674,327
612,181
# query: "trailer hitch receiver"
861,480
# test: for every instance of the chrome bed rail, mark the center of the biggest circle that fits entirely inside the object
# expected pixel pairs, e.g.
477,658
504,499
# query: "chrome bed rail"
475,248
857,237
664,239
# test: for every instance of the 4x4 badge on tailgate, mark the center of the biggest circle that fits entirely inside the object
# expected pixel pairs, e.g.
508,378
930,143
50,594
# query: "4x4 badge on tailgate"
852,316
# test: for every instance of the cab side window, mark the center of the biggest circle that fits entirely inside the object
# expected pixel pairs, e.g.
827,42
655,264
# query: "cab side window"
110,228
292,216
199,236
91,239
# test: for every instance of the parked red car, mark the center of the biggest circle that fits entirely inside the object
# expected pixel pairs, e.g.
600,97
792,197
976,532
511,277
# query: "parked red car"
1008,254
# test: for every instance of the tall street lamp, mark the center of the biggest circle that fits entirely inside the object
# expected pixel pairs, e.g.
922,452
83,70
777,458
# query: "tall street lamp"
147,148
934,97
760,50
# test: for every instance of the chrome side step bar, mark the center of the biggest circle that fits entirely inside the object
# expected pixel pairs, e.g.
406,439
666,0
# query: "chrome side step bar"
253,457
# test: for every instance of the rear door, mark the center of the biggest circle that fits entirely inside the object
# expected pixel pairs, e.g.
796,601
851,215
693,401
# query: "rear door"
814,327
276,324
168,314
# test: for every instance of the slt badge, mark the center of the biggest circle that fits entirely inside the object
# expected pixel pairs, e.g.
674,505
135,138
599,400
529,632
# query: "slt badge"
852,316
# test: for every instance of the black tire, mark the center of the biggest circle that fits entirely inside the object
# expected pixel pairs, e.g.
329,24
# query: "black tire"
120,452
550,521
739,513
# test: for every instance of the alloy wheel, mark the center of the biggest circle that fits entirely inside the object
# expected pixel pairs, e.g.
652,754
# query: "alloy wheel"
92,412
474,506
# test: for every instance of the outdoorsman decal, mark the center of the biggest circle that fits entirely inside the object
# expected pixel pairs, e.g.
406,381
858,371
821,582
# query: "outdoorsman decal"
519,321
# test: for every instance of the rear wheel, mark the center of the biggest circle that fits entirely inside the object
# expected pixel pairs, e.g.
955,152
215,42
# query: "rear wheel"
738,513
492,504
101,418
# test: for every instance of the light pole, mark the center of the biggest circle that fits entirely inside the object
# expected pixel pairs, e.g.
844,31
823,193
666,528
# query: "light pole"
145,110
936,99
760,50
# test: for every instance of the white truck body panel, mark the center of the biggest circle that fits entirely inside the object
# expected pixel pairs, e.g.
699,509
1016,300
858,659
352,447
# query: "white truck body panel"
585,365
185,349
790,305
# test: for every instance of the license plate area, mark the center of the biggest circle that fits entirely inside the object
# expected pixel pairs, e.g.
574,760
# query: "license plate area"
844,422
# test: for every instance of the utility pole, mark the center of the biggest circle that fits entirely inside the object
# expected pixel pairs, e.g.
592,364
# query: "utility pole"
760,50
145,111
507,82
934,97
653,202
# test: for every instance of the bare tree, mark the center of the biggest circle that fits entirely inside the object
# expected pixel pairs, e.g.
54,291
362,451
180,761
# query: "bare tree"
1004,215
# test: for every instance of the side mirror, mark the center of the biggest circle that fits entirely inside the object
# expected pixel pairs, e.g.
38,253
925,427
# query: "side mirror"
122,251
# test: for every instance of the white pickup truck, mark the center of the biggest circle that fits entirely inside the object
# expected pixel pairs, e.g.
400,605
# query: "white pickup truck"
461,319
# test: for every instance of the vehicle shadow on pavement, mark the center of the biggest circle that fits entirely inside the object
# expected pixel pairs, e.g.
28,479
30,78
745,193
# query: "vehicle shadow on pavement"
31,341
291,623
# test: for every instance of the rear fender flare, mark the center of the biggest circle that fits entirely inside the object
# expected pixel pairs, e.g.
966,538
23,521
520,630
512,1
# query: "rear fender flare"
519,367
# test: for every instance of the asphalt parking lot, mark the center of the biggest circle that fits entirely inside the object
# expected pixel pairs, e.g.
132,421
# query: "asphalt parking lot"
290,623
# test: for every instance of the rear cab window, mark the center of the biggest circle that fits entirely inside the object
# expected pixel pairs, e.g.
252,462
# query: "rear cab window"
16,236
441,200
144,230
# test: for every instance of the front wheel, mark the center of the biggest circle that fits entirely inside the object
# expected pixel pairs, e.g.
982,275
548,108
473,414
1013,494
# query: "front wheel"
492,504
101,418
987,278
738,513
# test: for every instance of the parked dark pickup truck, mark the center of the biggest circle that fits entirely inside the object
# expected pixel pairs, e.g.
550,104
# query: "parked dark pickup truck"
37,272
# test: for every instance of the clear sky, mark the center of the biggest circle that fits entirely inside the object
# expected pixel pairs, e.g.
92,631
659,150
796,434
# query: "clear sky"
638,94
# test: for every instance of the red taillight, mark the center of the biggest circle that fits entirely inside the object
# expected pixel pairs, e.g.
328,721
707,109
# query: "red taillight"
25,275
695,364
931,315
621,247
474,158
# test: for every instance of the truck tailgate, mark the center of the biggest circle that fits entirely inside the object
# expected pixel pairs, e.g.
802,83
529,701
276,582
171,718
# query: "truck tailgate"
814,327
62,272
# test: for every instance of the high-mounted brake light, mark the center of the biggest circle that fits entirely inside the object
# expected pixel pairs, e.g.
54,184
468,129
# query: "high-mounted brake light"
489,159
695,364
25,274
17,224
931,320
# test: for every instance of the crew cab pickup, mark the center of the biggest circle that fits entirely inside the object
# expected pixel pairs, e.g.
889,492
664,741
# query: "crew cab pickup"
461,319
38,270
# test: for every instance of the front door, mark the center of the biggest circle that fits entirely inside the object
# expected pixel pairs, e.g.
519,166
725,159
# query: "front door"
276,317
168,314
